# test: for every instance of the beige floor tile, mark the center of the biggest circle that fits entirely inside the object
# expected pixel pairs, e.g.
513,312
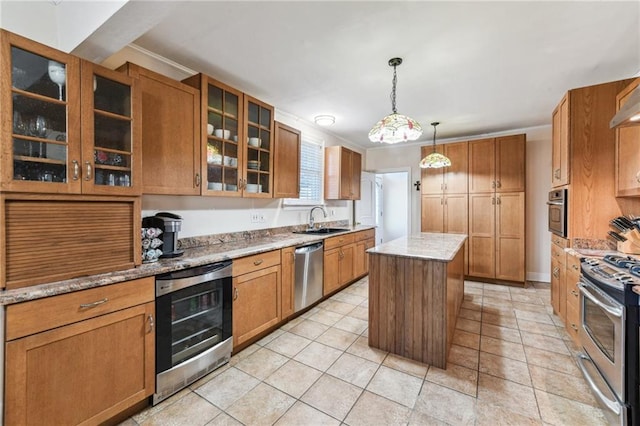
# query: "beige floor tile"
533,316
455,377
289,325
262,363
302,414
262,405
565,385
406,365
311,312
419,418
128,422
352,325
468,325
235,384
326,317
362,349
471,289
508,395
540,328
371,409
395,385
349,298
544,342
502,333
492,415
154,409
530,307
473,284
477,298
500,319
339,307
552,360
332,396
293,378
445,404
464,338
466,357
269,337
505,368
502,348
491,294
188,410
309,329
559,411
318,356
246,352
337,338
353,369
474,315
502,307
209,376
223,419
288,344
531,298
360,313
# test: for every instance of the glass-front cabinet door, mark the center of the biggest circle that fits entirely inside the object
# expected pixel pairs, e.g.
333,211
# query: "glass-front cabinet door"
111,125
222,121
258,178
40,104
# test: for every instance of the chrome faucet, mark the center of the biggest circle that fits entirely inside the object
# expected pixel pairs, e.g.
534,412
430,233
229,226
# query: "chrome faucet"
311,221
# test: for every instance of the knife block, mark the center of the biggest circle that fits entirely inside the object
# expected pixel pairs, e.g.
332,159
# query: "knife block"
632,245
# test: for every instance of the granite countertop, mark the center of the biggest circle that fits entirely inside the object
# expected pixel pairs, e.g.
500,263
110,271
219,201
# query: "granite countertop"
192,257
426,245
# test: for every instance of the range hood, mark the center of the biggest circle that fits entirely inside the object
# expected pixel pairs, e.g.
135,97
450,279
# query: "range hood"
629,114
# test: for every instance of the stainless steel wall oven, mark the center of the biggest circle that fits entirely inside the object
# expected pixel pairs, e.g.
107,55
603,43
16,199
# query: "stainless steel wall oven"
558,212
193,331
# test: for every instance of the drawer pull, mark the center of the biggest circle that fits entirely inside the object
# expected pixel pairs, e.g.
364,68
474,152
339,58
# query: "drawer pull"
575,293
76,169
151,323
575,268
235,293
89,171
258,262
574,326
93,304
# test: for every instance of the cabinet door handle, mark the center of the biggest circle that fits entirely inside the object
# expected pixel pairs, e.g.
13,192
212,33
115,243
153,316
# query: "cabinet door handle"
441,186
93,304
493,183
198,179
498,184
575,293
556,173
575,268
574,326
498,201
151,323
493,201
556,272
76,169
638,177
258,262
235,293
89,171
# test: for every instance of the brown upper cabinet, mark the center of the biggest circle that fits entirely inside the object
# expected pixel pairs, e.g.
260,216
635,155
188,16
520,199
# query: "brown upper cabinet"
342,171
170,133
627,151
71,127
497,164
237,134
286,167
560,144
452,179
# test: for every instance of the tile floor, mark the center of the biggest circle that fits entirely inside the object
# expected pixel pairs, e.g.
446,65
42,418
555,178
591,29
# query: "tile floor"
511,364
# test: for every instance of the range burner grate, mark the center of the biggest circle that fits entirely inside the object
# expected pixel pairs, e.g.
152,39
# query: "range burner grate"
621,261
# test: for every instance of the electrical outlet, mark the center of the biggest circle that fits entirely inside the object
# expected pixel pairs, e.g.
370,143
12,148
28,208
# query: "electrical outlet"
255,217
333,212
261,217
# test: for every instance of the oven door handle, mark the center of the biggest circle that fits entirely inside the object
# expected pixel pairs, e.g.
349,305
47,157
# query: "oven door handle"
555,203
612,310
613,406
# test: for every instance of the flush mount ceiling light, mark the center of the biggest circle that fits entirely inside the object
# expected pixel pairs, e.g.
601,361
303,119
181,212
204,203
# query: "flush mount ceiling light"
395,127
435,160
324,120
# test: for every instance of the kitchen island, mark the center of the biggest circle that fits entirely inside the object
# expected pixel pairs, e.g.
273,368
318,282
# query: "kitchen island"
416,287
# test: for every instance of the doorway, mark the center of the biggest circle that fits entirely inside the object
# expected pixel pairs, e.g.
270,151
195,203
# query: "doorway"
385,203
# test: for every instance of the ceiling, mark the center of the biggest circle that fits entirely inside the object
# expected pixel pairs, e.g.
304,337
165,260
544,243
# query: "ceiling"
477,67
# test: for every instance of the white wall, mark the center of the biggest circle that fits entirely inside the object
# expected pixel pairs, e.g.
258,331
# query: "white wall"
395,200
538,175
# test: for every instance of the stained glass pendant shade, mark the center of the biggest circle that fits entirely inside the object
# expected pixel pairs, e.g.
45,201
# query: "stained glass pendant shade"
395,127
435,160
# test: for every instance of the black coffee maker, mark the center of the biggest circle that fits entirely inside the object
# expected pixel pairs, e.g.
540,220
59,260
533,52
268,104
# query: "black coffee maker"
170,224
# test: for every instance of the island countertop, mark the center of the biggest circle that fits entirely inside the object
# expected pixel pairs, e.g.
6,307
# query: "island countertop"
425,245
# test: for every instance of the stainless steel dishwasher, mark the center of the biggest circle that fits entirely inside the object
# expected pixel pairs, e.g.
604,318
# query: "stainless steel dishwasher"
309,274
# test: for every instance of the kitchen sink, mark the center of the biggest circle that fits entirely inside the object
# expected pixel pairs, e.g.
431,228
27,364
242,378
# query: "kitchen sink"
321,231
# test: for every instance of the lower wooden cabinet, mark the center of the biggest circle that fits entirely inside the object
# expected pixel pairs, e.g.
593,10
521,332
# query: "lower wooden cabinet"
558,271
256,296
572,299
288,281
83,372
338,268
361,257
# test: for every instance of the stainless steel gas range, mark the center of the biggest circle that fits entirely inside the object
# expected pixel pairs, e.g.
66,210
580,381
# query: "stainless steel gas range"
609,334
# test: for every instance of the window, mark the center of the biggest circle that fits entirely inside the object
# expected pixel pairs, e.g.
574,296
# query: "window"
311,163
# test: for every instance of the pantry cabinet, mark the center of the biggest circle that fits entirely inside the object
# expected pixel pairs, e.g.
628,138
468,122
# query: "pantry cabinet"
257,290
102,342
170,133
452,179
627,151
497,164
560,162
342,173
286,167
72,127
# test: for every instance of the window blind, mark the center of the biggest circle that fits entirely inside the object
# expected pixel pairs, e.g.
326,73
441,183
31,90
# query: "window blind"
311,163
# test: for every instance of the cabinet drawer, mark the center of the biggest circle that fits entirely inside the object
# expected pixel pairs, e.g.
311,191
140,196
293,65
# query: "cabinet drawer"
559,241
339,241
558,253
256,262
573,294
365,235
573,264
573,322
39,315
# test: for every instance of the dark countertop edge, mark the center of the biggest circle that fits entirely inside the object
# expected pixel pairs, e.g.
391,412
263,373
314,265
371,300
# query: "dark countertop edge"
459,246
192,257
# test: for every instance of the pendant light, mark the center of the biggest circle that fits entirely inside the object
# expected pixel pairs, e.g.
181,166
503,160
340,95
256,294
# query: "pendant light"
435,160
395,127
